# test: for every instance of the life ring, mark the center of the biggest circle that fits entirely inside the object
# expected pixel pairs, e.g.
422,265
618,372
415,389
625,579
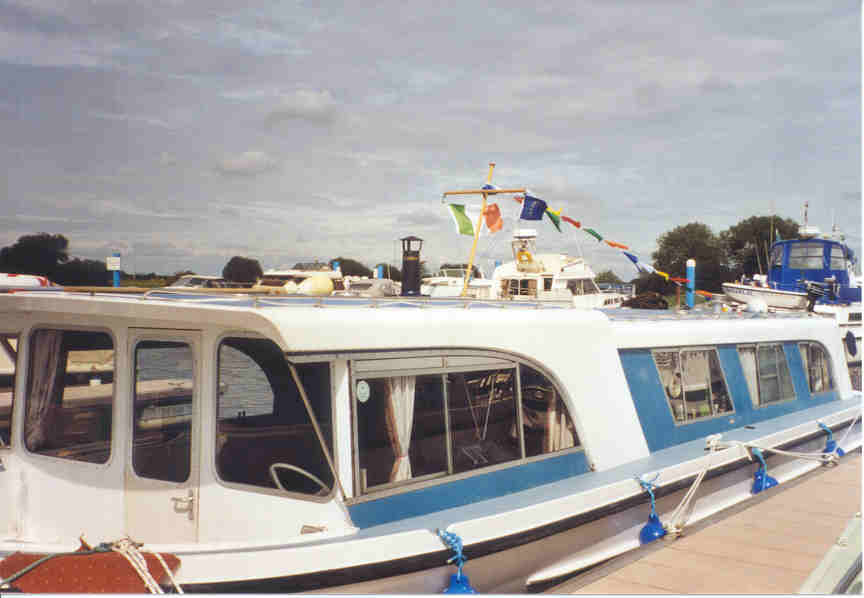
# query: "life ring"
523,257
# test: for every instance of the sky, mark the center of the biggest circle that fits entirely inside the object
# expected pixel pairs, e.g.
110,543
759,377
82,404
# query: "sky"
183,133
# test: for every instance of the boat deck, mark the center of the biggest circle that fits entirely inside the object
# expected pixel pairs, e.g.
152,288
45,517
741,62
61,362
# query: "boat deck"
782,542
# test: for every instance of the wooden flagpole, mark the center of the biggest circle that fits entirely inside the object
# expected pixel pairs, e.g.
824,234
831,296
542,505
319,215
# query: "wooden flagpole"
484,193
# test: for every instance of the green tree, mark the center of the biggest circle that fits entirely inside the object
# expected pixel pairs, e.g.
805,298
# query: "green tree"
242,269
608,276
350,267
475,271
746,245
391,272
39,254
694,240
77,272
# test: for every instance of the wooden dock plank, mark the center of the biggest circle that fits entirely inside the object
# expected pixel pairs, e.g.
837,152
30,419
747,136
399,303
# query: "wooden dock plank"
769,547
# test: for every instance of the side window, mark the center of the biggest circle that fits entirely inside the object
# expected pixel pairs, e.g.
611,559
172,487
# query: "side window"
694,383
265,434
412,442
767,373
816,365
546,425
838,258
777,257
164,385
482,410
70,395
424,425
8,359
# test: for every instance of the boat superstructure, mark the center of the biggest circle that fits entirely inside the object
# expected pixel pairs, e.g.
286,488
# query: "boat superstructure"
306,279
448,282
298,443
556,277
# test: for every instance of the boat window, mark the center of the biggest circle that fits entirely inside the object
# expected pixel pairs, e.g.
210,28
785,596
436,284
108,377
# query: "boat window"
767,373
838,258
162,430
546,425
482,411
777,257
8,359
461,418
547,283
70,394
401,429
816,365
805,256
582,286
265,435
694,383
524,287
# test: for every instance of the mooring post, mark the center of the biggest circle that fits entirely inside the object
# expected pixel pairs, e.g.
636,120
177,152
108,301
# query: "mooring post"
691,281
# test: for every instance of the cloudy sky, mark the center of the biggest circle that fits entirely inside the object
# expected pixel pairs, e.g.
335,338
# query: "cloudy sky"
182,133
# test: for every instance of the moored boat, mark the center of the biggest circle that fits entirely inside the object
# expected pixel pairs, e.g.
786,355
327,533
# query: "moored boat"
297,444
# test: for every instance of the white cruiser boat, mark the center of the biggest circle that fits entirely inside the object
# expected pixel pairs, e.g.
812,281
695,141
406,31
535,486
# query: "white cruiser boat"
343,444
544,277
449,282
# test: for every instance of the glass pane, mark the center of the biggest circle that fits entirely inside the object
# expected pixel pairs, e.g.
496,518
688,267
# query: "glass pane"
668,365
747,355
164,386
769,384
787,391
401,432
547,426
838,259
70,395
816,364
705,393
264,434
806,256
8,355
777,256
482,409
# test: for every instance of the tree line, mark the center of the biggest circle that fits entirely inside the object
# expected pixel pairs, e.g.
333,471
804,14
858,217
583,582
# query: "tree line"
741,249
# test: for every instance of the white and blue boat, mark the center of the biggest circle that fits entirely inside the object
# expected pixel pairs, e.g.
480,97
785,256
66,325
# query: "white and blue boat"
339,444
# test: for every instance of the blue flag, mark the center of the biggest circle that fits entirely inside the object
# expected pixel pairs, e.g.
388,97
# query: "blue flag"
533,208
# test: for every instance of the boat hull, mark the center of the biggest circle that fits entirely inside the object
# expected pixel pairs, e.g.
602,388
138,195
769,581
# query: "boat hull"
537,558
773,298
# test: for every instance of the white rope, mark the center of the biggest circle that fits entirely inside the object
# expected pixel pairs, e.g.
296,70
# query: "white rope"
170,574
849,429
130,551
682,512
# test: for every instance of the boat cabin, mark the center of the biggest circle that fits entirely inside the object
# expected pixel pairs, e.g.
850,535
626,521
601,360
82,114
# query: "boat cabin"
794,262
215,426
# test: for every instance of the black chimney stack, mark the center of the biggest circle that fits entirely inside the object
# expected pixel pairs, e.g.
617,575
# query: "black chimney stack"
411,266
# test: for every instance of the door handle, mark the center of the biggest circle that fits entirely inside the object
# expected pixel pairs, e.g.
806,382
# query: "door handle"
185,504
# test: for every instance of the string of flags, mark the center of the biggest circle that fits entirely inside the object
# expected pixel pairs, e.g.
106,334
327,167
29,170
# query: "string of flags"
534,208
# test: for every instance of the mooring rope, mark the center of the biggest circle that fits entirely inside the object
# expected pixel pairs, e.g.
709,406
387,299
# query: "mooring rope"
682,512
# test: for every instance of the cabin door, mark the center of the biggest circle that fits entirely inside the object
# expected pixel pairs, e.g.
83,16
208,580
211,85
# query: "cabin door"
162,465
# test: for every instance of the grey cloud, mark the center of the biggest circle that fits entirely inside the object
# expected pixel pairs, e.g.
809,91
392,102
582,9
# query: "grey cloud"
246,164
305,104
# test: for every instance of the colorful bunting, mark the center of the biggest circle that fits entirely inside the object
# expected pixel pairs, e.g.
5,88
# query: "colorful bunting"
555,217
533,208
614,244
494,222
663,274
463,223
594,233
575,223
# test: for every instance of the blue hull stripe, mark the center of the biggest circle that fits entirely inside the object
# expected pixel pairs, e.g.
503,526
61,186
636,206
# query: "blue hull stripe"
467,490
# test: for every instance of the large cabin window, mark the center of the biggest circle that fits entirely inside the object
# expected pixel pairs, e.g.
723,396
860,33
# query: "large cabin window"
418,418
70,394
816,365
8,360
265,435
767,373
805,256
694,383
164,386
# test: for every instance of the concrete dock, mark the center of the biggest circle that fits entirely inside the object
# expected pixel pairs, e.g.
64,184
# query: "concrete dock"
791,539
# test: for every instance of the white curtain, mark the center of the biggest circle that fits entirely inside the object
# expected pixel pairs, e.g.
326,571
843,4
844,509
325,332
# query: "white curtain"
46,370
748,364
400,419
559,434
